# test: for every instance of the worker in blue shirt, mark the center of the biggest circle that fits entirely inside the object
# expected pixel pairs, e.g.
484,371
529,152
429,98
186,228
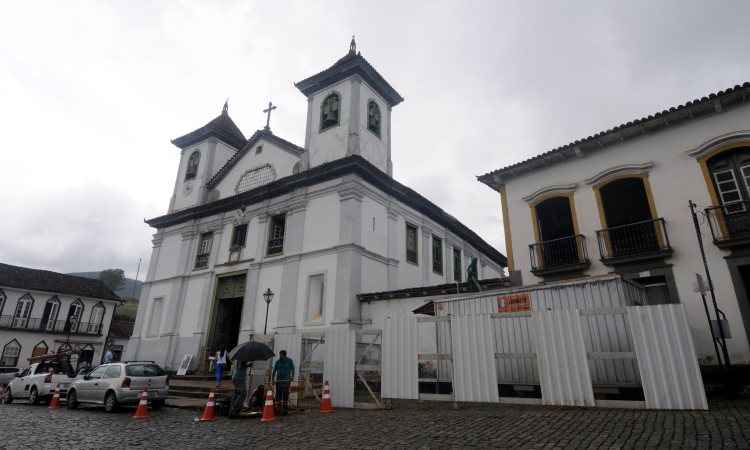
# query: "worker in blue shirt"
283,374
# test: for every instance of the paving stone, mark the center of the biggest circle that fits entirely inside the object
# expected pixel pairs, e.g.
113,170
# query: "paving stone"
408,425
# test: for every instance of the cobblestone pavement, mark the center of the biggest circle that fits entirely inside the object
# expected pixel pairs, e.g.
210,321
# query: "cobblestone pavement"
406,426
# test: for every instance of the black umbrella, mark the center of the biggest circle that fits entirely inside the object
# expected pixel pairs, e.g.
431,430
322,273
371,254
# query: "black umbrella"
251,351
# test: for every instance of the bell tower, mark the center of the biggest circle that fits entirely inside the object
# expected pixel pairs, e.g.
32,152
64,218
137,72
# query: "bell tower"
349,112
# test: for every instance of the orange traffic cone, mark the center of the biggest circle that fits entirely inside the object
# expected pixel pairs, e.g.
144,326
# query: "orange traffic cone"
268,413
142,411
55,403
325,405
209,414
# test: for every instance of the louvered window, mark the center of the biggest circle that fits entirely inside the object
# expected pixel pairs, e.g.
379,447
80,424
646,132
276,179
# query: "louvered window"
204,250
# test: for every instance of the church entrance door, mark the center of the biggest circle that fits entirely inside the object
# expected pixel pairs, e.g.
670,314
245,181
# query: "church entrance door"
230,293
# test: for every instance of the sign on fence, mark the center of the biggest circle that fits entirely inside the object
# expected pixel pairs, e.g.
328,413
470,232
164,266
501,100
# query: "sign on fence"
514,303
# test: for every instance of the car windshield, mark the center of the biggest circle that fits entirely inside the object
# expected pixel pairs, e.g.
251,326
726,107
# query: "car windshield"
144,370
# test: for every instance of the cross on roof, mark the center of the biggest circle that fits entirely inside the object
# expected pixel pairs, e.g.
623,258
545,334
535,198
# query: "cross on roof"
270,108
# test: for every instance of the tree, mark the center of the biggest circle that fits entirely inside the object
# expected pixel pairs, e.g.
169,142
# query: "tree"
113,278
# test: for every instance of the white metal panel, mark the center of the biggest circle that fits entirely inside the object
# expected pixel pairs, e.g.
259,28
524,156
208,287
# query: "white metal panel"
561,354
339,365
515,349
666,358
474,375
292,343
400,347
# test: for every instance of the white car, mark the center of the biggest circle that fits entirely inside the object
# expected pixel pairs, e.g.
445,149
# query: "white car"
37,383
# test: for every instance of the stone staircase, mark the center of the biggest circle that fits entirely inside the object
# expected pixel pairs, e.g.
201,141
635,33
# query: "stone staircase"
193,390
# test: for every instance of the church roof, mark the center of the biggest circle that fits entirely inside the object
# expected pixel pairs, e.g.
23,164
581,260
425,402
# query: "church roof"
677,115
58,283
352,63
354,164
221,127
265,133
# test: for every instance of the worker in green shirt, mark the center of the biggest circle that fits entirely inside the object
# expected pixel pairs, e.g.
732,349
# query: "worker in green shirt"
283,374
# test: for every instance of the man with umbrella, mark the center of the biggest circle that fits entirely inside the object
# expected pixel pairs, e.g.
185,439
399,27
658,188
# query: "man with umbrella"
283,374
244,354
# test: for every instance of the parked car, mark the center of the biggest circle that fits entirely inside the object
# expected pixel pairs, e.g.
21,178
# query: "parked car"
120,383
7,374
37,383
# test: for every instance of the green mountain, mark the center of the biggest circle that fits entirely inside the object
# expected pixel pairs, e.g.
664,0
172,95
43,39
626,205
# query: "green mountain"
129,289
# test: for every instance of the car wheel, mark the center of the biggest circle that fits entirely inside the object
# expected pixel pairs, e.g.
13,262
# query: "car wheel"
157,404
72,400
34,396
110,402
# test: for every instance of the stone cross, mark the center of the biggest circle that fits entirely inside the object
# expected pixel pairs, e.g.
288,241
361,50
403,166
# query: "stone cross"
270,108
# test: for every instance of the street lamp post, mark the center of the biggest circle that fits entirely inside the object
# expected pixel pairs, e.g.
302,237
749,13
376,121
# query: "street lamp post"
267,296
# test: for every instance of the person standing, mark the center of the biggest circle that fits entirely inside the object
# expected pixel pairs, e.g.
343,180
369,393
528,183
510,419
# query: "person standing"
108,357
239,379
283,374
221,362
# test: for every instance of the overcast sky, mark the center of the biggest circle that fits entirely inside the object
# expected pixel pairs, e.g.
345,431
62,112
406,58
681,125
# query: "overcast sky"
92,93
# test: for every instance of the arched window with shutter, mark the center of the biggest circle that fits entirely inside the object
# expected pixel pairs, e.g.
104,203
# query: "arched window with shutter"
192,165
96,319
75,313
11,353
22,314
373,117
49,316
40,349
330,111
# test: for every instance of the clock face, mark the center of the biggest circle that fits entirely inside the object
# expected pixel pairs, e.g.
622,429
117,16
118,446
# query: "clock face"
188,188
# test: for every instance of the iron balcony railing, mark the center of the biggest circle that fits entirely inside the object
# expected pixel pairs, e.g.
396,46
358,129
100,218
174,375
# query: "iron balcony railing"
638,240
50,326
730,223
558,255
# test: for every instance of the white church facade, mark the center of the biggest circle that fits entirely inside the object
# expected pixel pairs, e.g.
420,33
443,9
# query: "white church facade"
314,225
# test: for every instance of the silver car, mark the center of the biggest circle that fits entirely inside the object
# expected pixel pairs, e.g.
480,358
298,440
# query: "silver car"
120,383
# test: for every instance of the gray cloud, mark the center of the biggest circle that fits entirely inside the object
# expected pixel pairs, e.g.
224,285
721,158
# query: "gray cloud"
91,94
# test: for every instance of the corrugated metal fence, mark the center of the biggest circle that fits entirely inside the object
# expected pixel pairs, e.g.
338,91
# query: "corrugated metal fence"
567,352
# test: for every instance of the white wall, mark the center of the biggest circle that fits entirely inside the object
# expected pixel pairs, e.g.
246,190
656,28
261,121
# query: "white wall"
322,222
281,160
675,178
331,144
372,147
29,339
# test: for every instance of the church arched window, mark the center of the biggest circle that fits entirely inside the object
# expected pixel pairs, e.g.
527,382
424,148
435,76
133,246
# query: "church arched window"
22,314
96,319
373,117
297,168
51,311
11,352
40,349
75,312
330,111
256,177
192,165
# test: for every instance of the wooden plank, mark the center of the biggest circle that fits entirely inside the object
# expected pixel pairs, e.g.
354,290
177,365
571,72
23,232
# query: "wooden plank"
603,311
510,315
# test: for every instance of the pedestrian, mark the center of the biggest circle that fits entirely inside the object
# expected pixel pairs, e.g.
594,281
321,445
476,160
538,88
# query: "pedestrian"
221,362
108,357
283,374
258,399
239,379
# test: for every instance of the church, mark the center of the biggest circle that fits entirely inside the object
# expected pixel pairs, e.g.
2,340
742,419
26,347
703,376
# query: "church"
263,236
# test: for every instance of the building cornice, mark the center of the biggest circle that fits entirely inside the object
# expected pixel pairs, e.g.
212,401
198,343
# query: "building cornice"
619,170
351,165
707,147
547,190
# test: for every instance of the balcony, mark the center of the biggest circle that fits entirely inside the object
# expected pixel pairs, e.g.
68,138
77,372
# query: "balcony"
559,256
634,242
53,327
730,224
